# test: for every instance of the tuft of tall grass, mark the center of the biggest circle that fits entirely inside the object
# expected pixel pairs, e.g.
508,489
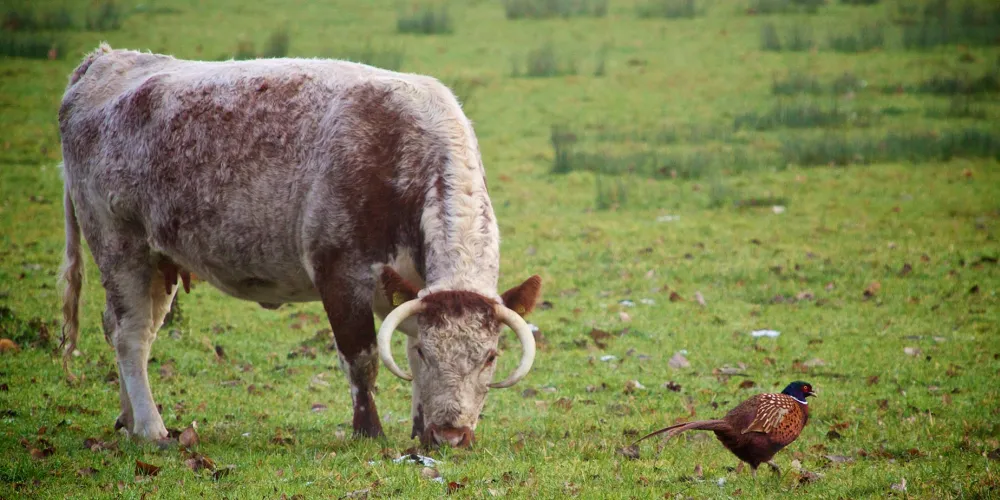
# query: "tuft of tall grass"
667,9
31,46
544,62
379,56
958,107
785,6
941,22
107,16
277,44
612,192
545,9
866,38
58,19
800,115
842,149
798,39
425,20
796,82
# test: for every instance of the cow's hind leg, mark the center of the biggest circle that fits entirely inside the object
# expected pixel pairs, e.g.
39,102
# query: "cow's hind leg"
138,299
354,330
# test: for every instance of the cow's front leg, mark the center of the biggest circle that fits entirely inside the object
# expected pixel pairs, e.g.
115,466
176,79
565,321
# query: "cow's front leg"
354,330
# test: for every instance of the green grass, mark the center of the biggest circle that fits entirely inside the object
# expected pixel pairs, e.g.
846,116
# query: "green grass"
644,189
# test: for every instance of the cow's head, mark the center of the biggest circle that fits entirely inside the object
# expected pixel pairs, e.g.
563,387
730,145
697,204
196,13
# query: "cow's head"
452,349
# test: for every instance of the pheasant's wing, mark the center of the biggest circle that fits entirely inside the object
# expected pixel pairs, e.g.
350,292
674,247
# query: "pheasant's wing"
770,412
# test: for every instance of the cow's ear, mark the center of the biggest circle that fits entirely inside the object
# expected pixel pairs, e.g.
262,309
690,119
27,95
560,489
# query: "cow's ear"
521,299
395,288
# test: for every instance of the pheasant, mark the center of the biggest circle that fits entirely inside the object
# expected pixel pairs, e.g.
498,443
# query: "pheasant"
759,427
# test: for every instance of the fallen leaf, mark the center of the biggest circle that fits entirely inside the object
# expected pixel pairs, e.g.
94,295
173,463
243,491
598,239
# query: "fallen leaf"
974,289
833,435
196,462
454,486
189,437
839,459
673,386
700,299
747,384
830,286
698,472
912,351
429,473
905,270
994,455
600,337
8,345
675,297
220,353
40,454
629,452
529,393
872,289
872,380
318,407
144,469
624,317
678,361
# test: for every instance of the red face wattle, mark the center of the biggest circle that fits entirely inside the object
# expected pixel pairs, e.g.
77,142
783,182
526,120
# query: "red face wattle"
808,390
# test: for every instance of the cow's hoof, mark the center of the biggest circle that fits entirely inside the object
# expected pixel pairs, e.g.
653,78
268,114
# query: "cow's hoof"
150,431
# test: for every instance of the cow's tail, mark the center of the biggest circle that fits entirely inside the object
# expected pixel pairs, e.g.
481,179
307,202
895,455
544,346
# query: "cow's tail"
72,276
81,70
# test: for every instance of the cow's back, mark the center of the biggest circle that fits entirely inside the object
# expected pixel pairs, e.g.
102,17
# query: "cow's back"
215,160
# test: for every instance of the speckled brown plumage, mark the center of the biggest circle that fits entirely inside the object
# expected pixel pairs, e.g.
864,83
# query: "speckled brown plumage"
757,428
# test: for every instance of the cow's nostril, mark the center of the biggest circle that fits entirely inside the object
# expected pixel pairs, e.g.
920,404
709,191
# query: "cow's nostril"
457,437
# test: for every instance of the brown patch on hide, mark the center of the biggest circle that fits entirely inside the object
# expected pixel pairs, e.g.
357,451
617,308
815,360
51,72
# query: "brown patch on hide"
143,100
522,298
450,304
395,287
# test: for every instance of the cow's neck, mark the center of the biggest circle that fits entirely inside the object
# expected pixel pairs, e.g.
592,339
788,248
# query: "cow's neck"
461,237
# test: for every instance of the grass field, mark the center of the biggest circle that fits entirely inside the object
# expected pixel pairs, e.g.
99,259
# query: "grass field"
829,171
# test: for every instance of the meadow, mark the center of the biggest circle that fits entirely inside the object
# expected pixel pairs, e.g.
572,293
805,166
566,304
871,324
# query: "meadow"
681,173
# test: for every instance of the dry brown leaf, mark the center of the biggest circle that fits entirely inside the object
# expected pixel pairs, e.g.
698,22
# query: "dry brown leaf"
900,486
189,437
144,469
429,473
8,345
672,386
676,297
839,459
564,403
747,384
872,289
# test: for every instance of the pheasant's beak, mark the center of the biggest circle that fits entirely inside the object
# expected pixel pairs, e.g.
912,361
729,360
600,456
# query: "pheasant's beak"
811,393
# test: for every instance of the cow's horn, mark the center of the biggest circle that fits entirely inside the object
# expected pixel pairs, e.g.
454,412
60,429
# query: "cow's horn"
405,310
523,331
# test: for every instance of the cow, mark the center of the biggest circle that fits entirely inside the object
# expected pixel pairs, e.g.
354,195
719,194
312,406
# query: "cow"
290,180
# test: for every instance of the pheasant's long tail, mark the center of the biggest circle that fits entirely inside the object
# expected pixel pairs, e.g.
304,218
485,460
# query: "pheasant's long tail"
701,425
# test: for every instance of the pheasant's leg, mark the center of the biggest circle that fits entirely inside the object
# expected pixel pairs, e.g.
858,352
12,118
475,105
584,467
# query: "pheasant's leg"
774,467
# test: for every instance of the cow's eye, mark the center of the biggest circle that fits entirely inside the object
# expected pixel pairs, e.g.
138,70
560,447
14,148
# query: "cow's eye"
420,352
491,357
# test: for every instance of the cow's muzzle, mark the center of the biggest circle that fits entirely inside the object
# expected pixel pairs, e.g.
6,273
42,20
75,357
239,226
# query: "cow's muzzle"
458,437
